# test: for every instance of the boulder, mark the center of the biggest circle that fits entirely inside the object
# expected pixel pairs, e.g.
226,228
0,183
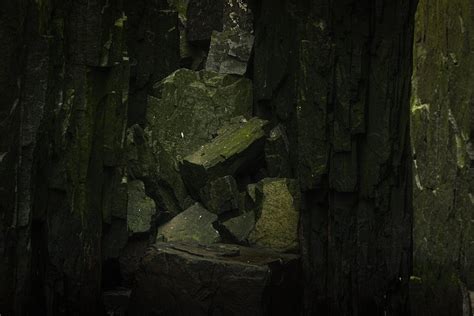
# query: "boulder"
221,195
279,205
239,148
277,153
193,225
187,108
182,279
141,209
238,229
149,162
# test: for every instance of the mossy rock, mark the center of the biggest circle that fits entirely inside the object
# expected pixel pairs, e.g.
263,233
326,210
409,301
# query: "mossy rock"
141,208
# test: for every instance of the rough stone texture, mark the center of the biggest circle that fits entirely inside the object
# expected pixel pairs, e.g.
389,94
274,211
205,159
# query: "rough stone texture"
116,301
277,153
442,128
189,107
153,42
199,28
337,75
141,209
229,52
179,279
149,162
193,225
221,195
238,229
279,205
129,261
236,149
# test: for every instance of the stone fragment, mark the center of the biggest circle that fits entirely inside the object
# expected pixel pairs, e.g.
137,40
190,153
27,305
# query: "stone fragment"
149,162
221,195
277,153
193,225
187,108
237,149
183,279
279,205
238,229
229,52
141,208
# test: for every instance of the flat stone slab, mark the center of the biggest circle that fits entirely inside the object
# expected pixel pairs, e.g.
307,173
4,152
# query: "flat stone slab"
195,224
236,149
184,279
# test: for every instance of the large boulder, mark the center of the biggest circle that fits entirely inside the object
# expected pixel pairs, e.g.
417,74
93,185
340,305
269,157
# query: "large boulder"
187,108
279,205
141,208
239,147
193,225
180,279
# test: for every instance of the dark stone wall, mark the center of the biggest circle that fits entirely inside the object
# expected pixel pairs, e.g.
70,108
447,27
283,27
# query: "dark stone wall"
337,73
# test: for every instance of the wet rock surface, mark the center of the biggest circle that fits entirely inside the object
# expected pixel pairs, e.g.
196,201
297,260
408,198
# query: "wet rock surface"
183,279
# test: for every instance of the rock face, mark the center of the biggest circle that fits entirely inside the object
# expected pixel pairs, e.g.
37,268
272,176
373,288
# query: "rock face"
442,135
193,225
279,211
187,108
221,195
236,149
141,209
277,153
199,28
179,279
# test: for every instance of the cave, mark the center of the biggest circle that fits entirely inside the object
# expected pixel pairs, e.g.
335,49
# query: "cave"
237,157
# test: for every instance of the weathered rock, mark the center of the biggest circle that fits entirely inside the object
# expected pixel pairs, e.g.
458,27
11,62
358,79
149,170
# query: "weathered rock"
236,149
229,52
141,209
277,153
187,108
193,225
179,279
221,195
116,301
149,162
238,228
279,206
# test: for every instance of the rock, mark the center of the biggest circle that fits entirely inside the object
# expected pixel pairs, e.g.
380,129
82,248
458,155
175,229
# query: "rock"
149,162
116,301
141,208
238,229
203,17
221,195
114,238
187,108
129,260
229,52
181,279
193,225
277,153
277,225
237,149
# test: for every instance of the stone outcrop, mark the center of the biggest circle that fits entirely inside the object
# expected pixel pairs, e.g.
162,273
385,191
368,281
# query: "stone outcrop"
187,108
182,279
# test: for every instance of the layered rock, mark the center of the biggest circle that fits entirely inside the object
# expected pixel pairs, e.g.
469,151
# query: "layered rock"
236,149
182,279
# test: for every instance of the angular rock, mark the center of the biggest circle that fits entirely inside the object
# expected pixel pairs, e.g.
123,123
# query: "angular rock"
238,229
141,208
229,52
180,279
238,148
187,108
203,17
221,195
149,162
279,206
193,225
277,153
